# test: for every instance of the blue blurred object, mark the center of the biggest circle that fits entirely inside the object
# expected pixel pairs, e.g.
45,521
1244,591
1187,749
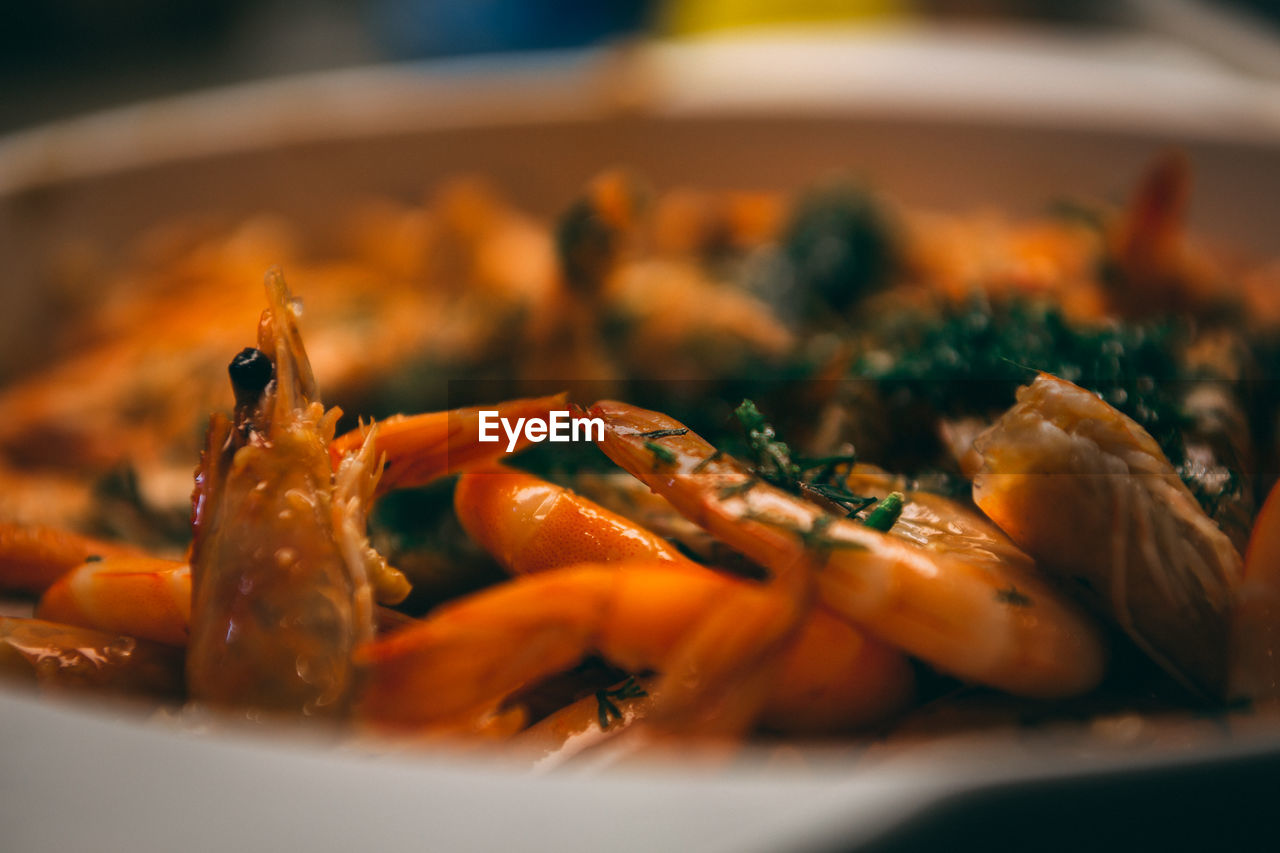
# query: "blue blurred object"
420,28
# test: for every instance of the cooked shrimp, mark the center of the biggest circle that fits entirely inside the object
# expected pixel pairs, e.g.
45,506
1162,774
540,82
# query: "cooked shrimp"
682,323
981,619
1255,623
1158,267
1089,494
467,657
620,493
54,655
113,587
32,557
939,524
283,576
530,525
144,597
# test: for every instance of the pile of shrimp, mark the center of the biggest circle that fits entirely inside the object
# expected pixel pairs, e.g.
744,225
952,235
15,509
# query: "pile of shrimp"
699,590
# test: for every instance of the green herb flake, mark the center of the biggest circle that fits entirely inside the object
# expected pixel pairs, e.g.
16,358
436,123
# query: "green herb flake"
663,433
607,709
736,490
886,513
660,453
777,466
1013,596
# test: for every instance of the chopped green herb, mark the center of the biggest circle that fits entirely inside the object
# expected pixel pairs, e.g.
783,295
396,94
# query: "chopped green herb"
850,502
93,558
663,433
736,490
776,464
840,245
662,454
1013,596
886,513
607,709
970,359
772,456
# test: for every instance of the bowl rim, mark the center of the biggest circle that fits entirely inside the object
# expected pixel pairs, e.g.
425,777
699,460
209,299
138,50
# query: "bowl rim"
1108,83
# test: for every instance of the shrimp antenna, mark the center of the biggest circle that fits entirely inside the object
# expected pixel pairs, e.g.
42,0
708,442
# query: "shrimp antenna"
295,383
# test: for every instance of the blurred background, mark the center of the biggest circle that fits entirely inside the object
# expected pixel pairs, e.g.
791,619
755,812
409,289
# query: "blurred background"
62,57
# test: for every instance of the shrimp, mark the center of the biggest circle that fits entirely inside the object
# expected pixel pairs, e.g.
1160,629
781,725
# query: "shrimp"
940,524
620,493
468,656
283,576
144,597
981,618
54,655
1255,621
1157,266
1062,461
32,557
530,525
112,587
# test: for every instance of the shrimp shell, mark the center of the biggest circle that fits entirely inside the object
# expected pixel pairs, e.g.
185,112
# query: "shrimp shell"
1089,494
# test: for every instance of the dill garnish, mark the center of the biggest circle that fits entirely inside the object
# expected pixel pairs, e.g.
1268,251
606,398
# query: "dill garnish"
663,433
1013,596
660,453
776,465
886,513
607,709
736,490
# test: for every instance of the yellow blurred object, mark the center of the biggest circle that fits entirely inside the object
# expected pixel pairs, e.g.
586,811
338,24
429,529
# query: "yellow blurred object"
685,17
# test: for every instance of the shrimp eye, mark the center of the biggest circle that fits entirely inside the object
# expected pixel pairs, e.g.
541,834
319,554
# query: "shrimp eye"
250,371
